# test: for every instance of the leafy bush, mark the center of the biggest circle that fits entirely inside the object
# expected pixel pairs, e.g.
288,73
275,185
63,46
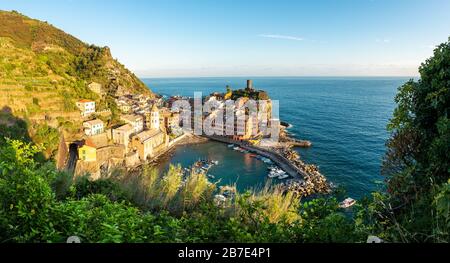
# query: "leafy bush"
99,212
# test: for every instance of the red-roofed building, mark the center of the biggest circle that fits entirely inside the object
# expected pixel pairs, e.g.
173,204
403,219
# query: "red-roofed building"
87,107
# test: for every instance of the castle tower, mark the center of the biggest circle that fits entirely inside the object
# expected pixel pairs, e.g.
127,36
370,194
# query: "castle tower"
154,117
249,84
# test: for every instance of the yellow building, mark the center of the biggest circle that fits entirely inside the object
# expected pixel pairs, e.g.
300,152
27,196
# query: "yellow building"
148,143
88,151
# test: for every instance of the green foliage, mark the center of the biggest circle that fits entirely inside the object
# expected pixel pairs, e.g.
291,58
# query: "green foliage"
39,205
46,136
27,199
12,127
417,161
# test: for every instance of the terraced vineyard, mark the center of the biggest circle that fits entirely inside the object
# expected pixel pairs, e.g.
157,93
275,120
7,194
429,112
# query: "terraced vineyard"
44,71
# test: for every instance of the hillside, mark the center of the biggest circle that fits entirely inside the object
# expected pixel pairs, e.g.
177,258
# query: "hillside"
44,71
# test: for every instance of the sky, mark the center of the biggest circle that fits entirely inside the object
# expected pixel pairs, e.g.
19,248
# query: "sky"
206,38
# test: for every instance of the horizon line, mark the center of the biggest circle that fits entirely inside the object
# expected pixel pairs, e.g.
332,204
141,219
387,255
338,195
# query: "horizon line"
280,76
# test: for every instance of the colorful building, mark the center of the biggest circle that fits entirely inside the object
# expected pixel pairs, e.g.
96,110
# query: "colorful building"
87,151
93,127
121,135
87,107
148,143
136,121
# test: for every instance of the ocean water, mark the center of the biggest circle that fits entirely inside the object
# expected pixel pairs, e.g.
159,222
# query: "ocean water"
344,118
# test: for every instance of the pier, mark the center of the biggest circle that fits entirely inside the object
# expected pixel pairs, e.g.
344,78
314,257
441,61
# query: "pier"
279,160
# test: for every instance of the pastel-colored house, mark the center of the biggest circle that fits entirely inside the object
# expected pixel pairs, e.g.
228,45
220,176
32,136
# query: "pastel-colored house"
93,127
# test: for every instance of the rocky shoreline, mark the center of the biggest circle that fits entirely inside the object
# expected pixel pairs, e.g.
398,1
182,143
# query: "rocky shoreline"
313,182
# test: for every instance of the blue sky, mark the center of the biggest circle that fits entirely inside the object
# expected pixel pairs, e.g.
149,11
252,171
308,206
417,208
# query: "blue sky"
254,38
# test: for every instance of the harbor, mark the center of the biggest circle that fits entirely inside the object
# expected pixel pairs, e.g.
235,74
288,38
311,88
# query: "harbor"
231,163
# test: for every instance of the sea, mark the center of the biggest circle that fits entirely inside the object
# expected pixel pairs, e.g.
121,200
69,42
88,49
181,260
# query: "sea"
345,118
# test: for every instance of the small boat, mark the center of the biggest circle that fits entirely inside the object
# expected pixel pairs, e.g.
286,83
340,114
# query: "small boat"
230,145
236,148
215,162
272,167
266,160
283,176
348,202
276,172
211,176
272,175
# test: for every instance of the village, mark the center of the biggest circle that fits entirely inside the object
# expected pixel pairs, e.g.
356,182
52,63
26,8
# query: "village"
152,126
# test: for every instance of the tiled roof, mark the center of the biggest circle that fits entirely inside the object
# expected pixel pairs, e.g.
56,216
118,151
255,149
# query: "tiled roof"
145,135
85,100
93,122
131,118
126,127
89,142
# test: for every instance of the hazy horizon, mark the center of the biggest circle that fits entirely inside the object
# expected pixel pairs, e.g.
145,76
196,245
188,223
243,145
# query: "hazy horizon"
268,76
188,38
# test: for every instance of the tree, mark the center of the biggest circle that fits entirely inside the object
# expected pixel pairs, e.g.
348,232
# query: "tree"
417,161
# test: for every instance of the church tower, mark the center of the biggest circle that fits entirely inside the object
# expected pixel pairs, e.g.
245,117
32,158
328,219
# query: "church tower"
154,117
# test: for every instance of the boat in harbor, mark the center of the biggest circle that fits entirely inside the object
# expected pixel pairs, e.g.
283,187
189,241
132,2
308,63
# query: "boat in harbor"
283,176
276,172
348,202
273,175
266,160
230,146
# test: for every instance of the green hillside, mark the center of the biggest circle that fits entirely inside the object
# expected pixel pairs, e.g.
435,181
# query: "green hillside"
44,70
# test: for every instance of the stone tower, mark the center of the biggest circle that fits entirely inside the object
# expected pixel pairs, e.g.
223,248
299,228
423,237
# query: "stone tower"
249,84
154,117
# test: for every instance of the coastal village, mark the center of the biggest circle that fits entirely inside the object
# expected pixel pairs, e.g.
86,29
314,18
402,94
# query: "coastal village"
151,126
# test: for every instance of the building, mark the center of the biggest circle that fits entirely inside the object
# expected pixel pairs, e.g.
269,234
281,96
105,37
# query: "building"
174,120
87,107
243,126
121,135
169,120
154,117
87,151
136,121
148,143
124,107
93,127
96,87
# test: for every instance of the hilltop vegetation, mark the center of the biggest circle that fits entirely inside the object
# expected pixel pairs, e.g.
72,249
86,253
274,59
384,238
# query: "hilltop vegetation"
44,70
